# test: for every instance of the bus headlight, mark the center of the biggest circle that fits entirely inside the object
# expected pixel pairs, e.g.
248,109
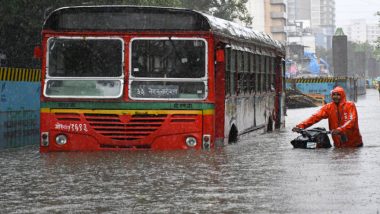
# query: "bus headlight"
61,139
191,141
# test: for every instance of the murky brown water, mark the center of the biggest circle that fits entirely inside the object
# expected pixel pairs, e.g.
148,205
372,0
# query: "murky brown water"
261,174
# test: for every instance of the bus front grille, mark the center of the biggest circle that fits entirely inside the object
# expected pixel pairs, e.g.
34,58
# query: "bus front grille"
183,118
67,116
125,127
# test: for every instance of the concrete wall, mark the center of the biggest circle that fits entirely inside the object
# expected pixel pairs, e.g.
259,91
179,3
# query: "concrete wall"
19,107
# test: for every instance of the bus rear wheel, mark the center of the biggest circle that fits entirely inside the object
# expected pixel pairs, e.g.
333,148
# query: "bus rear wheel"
270,125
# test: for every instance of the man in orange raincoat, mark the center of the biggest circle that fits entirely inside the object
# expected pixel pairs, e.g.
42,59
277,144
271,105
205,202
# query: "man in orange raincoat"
342,117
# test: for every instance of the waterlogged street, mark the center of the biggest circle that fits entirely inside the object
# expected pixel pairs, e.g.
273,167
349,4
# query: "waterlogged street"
259,174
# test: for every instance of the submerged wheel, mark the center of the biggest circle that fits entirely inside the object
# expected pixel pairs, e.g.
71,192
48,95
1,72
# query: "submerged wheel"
233,136
270,125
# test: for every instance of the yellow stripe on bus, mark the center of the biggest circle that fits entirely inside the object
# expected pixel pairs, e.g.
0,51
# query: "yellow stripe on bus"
131,112
208,112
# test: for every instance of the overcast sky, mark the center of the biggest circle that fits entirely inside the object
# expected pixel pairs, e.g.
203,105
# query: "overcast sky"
356,9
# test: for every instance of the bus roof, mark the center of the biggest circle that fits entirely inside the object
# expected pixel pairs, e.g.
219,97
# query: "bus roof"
121,18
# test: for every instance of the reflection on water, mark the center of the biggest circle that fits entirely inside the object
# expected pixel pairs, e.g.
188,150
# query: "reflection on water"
259,174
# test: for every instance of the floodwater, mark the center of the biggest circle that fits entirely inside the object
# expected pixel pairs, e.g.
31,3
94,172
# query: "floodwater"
259,174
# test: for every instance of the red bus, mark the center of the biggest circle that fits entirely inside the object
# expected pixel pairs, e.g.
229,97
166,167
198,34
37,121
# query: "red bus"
130,77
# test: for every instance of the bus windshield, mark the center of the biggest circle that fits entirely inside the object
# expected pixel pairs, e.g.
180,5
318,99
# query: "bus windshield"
85,57
84,67
168,58
168,68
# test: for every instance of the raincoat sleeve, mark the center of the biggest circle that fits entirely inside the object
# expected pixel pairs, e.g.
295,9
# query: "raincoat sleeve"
315,118
351,118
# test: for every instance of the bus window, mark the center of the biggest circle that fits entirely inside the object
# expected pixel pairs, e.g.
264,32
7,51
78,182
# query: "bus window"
168,68
168,58
83,88
228,71
263,73
256,71
266,73
251,73
259,70
273,74
103,57
233,72
167,90
84,68
246,72
240,72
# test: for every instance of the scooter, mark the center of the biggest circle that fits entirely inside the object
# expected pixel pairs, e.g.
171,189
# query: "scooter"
312,139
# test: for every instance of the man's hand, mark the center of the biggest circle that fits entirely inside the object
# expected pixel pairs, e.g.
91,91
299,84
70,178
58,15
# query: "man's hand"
296,129
336,132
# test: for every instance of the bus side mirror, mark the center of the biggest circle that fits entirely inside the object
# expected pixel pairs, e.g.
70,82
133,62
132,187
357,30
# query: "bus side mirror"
220,55
37,53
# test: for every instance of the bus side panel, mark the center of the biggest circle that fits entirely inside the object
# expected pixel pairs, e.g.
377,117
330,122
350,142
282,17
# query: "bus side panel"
245,114
248,113
230,116
270,111
261,107
219,103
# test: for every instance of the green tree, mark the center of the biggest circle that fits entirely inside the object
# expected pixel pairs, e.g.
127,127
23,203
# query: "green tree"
20,24
354,62
225,9
21,20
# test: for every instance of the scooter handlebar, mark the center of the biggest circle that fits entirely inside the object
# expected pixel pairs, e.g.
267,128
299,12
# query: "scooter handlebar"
302,131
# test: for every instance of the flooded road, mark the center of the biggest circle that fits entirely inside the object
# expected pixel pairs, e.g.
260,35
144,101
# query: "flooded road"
261,174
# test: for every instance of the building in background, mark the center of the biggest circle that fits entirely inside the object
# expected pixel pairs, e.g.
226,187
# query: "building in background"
300,33
311,24
323,21
298,10
269,16
360,32
373,32
356,31
320,13
275,18
256,11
